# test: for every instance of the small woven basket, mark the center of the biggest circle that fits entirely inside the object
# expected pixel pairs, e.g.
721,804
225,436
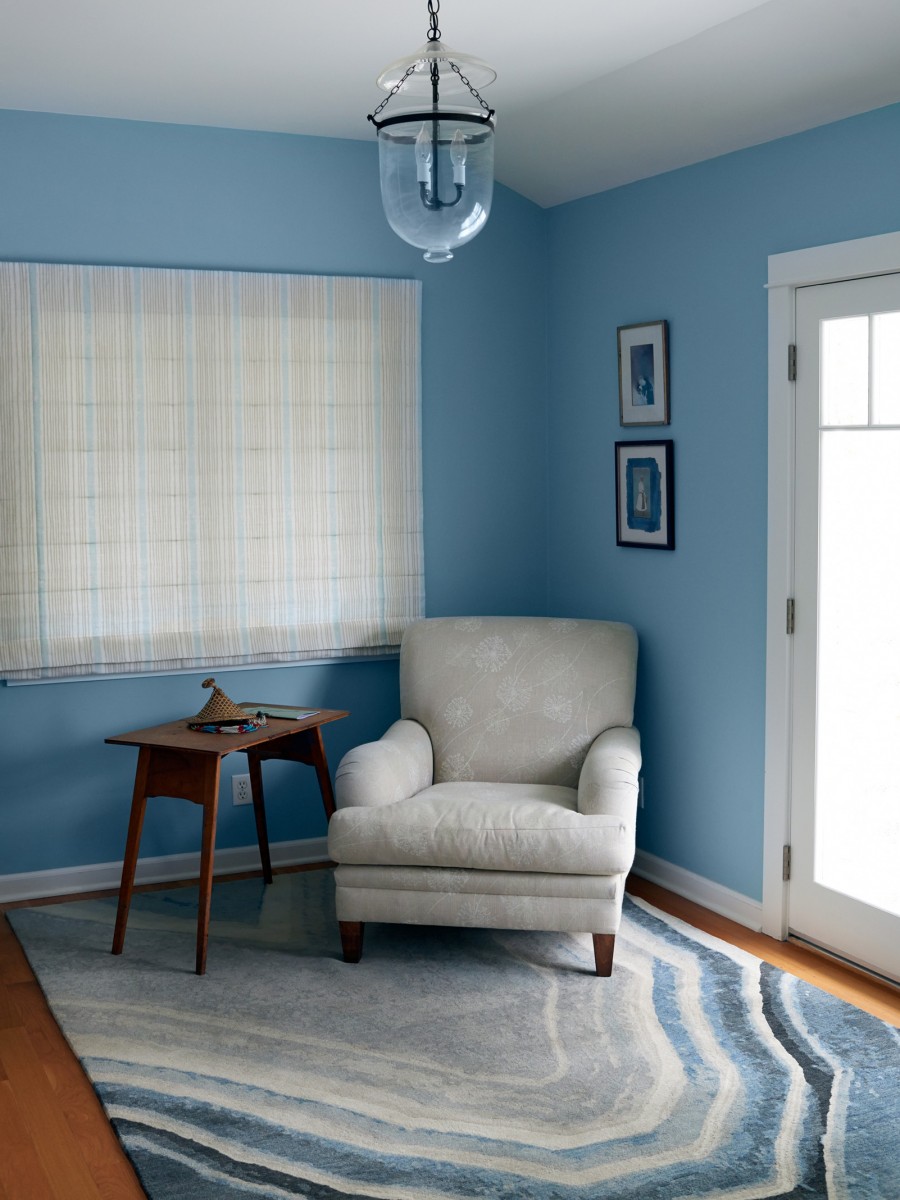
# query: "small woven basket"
221,715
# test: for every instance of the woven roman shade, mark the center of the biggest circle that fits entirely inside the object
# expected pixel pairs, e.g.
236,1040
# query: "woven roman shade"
205,468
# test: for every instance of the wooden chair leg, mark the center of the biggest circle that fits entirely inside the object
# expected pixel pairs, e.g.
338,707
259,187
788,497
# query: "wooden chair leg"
604,946
351,940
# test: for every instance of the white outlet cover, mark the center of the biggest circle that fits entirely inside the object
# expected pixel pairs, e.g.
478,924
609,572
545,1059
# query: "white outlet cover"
240,789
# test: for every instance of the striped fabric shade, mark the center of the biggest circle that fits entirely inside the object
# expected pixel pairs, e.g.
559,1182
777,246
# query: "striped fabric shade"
205,467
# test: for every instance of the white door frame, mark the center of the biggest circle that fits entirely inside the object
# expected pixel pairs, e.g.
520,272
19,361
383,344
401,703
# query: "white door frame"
797,268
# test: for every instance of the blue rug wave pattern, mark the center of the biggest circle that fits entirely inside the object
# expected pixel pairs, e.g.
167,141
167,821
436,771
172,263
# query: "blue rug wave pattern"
453,1064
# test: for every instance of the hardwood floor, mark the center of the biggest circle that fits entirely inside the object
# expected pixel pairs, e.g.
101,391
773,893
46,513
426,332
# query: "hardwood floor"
56,1144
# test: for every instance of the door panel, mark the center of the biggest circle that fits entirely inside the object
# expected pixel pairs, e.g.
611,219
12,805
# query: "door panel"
845,797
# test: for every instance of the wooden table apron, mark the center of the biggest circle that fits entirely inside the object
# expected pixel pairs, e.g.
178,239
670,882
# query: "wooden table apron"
176,761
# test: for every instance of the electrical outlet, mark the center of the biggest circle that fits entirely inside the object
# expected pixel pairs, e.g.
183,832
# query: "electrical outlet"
240,789
640,791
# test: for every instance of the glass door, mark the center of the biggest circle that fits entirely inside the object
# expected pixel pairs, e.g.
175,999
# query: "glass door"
845,797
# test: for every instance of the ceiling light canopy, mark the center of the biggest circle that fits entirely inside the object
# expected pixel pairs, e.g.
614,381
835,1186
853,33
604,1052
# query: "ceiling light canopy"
436,149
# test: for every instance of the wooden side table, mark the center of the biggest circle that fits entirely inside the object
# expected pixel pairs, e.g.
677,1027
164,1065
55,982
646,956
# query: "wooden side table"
177,761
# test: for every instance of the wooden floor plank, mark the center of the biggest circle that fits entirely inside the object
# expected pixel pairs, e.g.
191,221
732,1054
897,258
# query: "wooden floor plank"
58,1149
9,1015
14,966
21,1173
73,1092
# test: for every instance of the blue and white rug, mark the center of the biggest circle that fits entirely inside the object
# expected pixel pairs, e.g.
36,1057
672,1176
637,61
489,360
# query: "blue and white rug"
461,1063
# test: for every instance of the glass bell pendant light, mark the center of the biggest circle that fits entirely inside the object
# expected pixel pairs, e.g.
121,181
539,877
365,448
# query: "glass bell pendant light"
436,156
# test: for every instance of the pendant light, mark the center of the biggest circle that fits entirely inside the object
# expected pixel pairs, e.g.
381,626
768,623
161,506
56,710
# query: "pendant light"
436,156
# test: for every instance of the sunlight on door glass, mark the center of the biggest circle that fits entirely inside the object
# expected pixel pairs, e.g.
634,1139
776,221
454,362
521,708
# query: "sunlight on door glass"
858,716
886,368
845,371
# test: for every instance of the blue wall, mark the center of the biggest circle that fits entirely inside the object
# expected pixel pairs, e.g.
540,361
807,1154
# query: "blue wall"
120,192
520,417
691,247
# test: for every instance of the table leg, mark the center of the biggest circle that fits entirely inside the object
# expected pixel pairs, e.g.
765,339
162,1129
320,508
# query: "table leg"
320,762
210,801
132,845
305,746
259,812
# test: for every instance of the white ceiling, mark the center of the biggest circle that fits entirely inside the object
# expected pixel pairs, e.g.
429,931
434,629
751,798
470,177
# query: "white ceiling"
590,94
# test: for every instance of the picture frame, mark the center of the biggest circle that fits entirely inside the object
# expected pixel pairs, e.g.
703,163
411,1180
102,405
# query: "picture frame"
645,494
644,373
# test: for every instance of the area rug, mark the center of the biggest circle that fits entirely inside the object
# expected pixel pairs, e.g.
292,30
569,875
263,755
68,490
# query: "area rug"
454,1064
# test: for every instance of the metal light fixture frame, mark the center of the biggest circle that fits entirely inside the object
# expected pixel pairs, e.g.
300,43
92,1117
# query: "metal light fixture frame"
482,117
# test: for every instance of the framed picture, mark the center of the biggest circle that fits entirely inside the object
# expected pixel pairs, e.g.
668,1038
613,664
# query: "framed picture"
643,374
645,495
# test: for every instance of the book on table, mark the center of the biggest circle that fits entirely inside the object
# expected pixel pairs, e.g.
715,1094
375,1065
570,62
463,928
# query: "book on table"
280,712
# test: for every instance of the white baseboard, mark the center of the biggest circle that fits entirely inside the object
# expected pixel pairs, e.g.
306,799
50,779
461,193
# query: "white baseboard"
714,896
33,885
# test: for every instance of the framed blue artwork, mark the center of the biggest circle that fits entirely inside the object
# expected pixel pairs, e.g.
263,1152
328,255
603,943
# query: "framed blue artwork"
645,495
644,374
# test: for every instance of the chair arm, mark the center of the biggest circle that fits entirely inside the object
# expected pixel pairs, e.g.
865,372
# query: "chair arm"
395,767
608,784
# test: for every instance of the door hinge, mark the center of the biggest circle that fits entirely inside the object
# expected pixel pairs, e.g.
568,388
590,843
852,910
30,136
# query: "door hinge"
786,864
792,363
789,615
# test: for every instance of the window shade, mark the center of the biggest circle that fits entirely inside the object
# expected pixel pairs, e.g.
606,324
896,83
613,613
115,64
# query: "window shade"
205,468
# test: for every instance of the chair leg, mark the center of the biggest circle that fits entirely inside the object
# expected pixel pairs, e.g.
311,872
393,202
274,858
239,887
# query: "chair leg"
351,940
604,946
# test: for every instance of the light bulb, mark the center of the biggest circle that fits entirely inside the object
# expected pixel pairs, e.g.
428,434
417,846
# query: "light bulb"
458,158
424,156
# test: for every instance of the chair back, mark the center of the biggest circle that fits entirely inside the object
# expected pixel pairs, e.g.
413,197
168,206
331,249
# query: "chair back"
516,699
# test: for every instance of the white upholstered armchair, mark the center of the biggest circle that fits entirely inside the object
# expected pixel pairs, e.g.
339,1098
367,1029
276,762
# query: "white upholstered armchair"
506,795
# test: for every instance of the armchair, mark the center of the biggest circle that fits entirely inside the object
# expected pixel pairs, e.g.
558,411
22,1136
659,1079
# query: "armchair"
506,795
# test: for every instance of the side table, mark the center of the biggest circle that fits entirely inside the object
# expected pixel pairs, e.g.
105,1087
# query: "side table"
174,760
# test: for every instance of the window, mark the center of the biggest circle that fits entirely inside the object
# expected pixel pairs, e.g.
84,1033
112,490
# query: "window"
205,468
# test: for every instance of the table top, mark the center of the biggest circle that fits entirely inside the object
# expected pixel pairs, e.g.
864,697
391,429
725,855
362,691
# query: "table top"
177,736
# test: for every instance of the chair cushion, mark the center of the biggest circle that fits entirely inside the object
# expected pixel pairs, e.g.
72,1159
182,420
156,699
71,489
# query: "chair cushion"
425,881
484,826
516,699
